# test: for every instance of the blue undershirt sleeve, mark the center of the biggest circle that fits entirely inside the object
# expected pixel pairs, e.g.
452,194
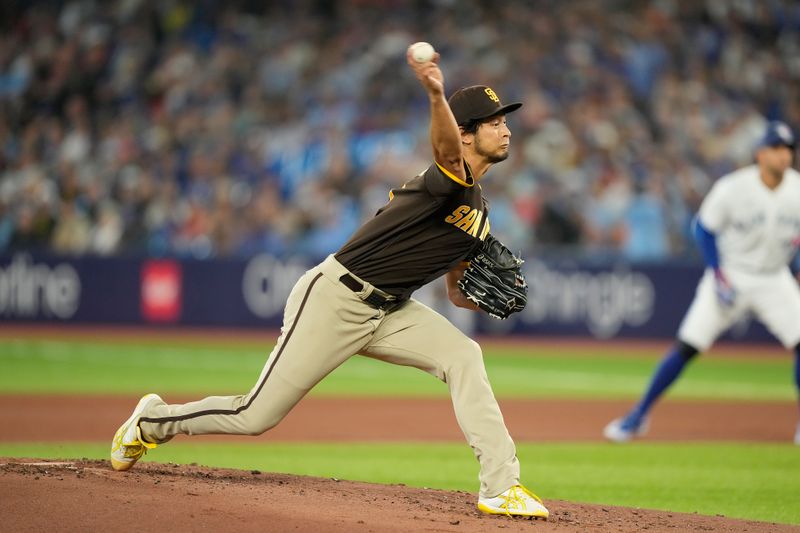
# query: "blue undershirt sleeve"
707,242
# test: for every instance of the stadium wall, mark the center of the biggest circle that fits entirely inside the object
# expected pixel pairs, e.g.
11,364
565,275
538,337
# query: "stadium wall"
570,299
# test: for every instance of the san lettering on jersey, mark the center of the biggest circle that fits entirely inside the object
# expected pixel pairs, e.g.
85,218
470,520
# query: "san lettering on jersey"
468,219
430,224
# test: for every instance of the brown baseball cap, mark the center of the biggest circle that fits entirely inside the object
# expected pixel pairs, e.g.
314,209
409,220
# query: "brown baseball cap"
477,103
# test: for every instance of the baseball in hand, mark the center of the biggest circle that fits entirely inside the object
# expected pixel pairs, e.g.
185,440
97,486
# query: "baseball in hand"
422,52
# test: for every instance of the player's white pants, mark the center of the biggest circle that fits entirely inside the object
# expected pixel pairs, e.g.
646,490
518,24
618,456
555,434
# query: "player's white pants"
773,298
325,323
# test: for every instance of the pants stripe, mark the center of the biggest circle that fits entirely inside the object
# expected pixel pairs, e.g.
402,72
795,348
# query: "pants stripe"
260,385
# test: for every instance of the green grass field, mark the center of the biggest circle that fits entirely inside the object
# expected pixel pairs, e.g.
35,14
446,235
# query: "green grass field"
755,481
104,366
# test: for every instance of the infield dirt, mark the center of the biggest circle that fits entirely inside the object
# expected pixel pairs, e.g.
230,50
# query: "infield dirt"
30,418
88,495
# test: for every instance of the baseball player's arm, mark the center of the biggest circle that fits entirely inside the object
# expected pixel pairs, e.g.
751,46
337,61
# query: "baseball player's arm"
454,294
707,242
445,135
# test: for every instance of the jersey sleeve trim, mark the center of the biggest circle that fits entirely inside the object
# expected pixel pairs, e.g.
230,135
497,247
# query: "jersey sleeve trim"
469,182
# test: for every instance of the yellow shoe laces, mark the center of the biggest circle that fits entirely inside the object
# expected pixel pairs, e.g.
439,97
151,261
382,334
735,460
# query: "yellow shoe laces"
515,498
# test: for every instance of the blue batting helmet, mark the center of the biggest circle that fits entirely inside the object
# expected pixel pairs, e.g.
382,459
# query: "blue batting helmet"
777,133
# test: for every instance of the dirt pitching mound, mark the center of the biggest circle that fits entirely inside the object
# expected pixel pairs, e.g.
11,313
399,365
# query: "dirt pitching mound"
89,496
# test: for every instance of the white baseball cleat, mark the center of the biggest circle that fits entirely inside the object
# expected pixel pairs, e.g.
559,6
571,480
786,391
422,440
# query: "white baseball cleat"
624,429
516,501
128,445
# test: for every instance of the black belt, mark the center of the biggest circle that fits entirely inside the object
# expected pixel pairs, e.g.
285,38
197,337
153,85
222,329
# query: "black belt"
375,299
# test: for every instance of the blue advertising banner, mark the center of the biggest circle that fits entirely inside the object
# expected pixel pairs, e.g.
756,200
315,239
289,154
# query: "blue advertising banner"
565,299
610,301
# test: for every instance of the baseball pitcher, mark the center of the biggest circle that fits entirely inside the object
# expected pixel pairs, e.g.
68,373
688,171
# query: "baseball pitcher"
748,230
358,301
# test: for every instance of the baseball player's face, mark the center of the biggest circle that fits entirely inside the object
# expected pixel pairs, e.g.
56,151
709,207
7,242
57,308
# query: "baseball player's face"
493,139
775,159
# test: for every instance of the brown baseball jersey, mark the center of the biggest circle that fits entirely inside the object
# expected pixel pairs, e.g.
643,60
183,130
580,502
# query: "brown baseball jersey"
429,225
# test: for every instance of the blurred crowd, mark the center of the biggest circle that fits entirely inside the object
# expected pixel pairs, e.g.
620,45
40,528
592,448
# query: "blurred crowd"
203,129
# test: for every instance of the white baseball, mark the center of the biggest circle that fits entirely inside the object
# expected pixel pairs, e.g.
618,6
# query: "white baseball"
422,52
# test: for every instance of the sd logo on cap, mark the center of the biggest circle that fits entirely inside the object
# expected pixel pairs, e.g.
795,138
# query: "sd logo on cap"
478,102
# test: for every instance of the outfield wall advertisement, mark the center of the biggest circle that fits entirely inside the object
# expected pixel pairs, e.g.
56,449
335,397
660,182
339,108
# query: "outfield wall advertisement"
565,299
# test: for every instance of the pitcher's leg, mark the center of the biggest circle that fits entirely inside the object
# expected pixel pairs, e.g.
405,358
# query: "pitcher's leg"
480,418
314,341
251,414
417,336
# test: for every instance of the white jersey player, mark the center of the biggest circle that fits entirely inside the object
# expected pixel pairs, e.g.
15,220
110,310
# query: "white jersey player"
748,230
